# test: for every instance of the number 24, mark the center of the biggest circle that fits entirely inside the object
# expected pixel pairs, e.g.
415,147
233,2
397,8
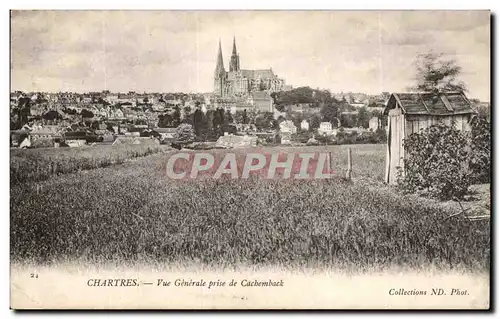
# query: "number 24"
33,275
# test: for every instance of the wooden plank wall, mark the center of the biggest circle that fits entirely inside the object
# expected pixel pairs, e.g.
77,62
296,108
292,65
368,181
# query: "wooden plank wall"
396,144
416,123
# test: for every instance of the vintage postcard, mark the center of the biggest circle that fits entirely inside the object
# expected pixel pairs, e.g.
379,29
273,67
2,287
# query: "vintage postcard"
250,159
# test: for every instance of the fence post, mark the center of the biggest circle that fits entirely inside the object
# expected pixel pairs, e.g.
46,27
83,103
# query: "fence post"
330,166
349,165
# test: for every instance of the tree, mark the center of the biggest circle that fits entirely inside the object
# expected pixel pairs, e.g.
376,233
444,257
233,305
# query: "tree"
52,115
264,121
176,117
295,117
165,120
102,101
228,117
86,114
185,134
245,116
280,119
242,117
382,118
94,125
480,161
200,123
329,113
217,121
209,117
315,120
23,110
436,74
363,117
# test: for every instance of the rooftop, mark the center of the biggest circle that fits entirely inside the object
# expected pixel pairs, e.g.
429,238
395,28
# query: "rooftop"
424,103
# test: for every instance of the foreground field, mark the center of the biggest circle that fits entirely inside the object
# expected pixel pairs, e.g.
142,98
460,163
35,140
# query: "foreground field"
134,213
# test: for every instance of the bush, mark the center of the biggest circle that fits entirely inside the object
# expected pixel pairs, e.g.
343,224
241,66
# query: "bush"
325,139
381,136
346,137
481,150
437,163
42,142
185,134
301,137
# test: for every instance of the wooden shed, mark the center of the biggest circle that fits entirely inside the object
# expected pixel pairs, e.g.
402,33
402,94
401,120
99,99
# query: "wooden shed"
411,112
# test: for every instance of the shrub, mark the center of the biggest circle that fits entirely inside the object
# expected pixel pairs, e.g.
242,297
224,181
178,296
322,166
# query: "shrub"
42,142
481,150
185,133
301,137
437,163
381,136
346,137
325,139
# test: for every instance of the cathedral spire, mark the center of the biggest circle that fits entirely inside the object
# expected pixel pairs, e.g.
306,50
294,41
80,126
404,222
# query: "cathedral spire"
234,46
234,64
219,69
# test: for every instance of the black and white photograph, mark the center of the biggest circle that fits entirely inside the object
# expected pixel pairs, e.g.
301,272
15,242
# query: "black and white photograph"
250,159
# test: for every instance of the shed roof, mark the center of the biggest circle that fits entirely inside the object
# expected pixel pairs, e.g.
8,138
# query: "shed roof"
445,103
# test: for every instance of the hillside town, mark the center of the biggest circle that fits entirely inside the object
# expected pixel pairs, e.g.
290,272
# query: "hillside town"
243,102
101,117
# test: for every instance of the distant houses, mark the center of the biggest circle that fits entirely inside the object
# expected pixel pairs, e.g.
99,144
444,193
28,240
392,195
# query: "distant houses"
374,124
288,127
304,125
325,129
167,134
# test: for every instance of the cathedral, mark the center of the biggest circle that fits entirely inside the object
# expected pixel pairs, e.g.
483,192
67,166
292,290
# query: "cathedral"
244,85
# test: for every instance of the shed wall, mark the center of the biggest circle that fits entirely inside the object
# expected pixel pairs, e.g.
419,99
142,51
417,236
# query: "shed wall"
401,126
416,123
395,137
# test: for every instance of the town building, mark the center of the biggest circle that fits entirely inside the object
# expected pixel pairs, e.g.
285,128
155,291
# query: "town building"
304,125
325,128
288,127
241,82
239,88
374,123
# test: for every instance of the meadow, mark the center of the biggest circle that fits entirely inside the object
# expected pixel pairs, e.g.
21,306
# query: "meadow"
132,213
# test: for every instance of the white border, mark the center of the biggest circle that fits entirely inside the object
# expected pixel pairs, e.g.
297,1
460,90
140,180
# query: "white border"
190,5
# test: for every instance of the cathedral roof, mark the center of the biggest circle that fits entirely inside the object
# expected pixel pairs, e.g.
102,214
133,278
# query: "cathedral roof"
254,74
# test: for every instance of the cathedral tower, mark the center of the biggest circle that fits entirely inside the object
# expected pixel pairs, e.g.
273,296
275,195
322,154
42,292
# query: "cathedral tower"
219,68
234,65
219,74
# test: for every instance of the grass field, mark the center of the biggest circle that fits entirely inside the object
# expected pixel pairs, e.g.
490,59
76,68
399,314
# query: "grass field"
133,213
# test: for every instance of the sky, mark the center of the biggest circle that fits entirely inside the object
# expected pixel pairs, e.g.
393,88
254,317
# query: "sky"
176,51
